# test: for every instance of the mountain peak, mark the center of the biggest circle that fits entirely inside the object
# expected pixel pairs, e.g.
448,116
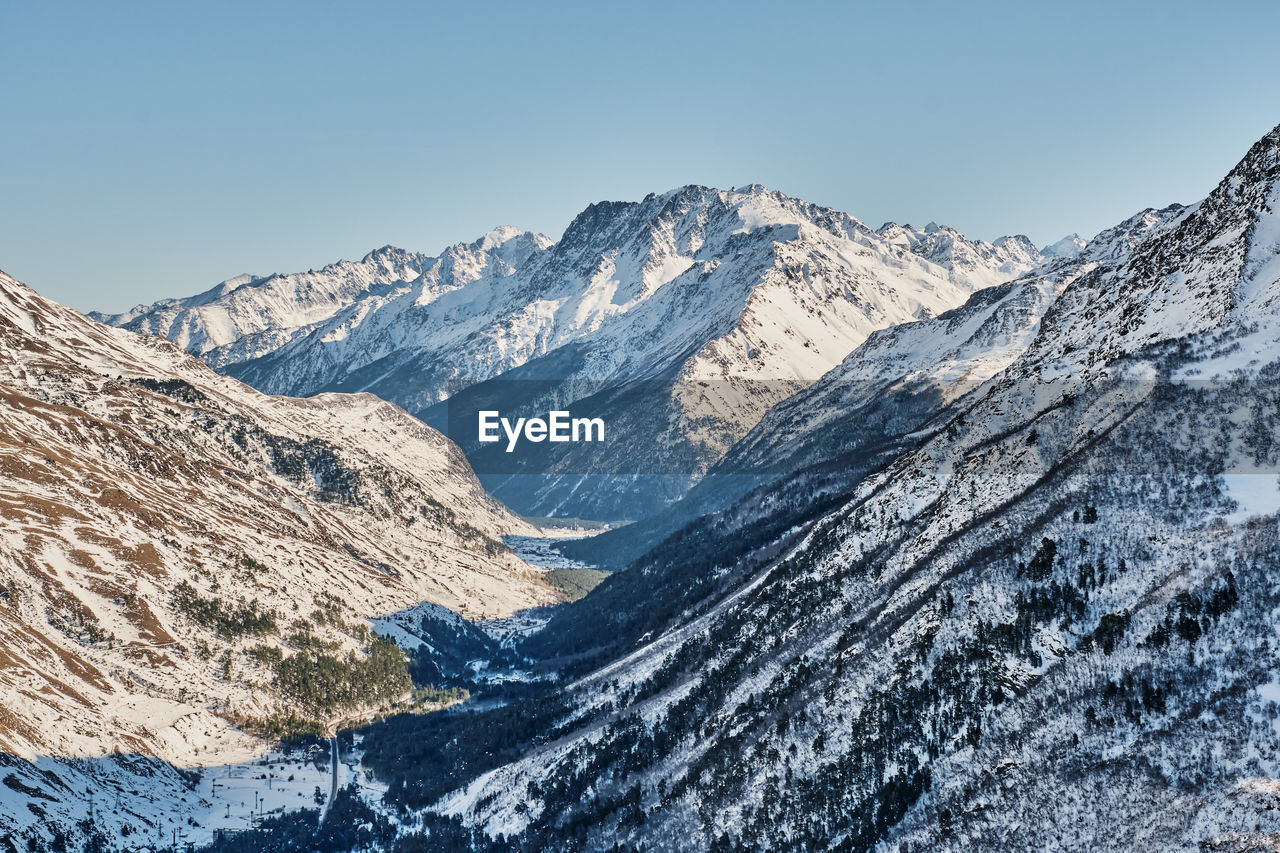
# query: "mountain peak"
1263,157
1249,184
499,235
1069,246
387,251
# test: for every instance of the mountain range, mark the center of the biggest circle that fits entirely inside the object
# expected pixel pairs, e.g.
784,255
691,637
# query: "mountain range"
1040,619
1035,612
708,306
978,551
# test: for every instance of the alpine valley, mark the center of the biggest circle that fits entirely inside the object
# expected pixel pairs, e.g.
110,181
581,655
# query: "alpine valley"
936,544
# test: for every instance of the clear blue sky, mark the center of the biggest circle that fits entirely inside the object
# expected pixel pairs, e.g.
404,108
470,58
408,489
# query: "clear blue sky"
153,149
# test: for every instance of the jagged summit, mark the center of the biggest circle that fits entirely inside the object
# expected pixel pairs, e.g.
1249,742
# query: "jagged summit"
1261,165
1069,246
995,262
501,234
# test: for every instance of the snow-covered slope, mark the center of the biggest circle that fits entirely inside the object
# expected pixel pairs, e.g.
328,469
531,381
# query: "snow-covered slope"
942,358
1047,624
169,536
734,299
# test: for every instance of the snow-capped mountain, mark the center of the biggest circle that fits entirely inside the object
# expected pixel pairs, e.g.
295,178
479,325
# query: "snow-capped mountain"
1068,247
969,262
1047,622
1011,583
180,555
873,404
248,316
728,301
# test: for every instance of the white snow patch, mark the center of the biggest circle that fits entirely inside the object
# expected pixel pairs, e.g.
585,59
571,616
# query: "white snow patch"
1254,494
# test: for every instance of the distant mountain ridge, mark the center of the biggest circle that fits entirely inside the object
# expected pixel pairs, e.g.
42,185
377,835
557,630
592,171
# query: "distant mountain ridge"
751,289
246,316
